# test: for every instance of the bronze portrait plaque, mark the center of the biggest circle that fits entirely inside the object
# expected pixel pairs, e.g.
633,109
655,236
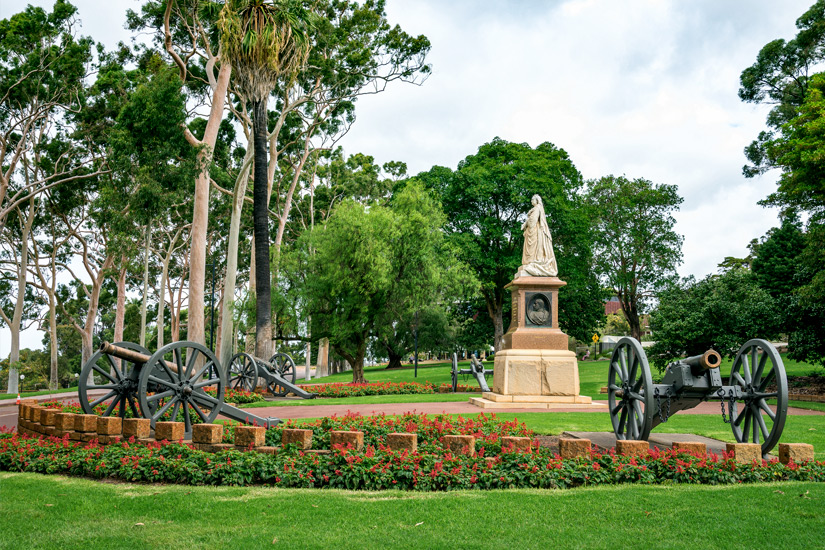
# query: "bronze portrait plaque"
538,309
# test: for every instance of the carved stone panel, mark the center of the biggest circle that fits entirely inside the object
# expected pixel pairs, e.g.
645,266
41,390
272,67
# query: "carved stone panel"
538,309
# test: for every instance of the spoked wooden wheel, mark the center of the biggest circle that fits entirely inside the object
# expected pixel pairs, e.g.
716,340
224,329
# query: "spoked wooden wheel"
629,391
285,367
117,378
759,373
177,376
243,372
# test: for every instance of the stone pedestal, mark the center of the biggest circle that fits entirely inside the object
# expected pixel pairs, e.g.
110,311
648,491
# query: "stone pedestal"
534,368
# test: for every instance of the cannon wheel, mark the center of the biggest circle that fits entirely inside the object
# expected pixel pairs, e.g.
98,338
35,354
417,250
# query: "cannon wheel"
243,372
629,391
285,367
753,372
454,373
177,375
114,376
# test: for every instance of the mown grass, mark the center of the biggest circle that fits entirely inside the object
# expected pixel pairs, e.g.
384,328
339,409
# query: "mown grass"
59,512
36,393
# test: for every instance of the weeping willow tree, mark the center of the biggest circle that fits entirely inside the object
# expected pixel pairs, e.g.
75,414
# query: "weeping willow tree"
264,41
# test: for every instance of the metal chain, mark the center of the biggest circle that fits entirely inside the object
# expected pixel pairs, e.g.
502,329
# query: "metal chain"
731,399
658,397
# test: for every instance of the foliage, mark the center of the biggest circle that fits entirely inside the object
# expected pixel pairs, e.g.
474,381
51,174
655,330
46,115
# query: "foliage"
636,248
371,267
374,388
720,312
781,76
431,468
485,200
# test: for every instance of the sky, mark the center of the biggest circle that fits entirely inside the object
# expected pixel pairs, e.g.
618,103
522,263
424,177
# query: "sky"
640,88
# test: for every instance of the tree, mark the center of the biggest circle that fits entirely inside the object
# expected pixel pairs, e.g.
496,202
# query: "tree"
374,267
636,249
780,76
264,42
42,69
777,258
486,199
720,312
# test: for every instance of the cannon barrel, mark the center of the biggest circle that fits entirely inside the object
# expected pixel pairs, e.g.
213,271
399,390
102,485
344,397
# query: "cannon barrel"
700,363
130,355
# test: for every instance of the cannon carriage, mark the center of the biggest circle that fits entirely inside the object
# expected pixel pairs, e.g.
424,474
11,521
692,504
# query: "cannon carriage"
477,370
181,377
754,401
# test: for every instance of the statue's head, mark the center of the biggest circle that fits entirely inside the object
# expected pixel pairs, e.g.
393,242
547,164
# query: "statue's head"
535,200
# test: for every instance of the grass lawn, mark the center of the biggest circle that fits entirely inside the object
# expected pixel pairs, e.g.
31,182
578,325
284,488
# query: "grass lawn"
366,400
36,393
58,512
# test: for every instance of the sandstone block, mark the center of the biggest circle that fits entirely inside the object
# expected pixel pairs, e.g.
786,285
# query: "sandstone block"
207,433
303,438
170,431
109,425
64,421
515,443
461,444
86,437
745,453
343,437
629,447
75,436
798,452
402,442
219,447
47,416
35,413
85,423
692,447
574,448
136,427
250,435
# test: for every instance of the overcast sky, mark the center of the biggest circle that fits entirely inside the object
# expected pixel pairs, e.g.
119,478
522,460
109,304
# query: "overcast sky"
641,88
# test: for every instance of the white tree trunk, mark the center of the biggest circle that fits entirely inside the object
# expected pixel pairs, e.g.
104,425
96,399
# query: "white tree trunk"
145,286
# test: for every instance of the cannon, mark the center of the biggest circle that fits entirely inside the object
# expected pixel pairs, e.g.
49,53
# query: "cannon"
755,397
278,374
156,386
476,369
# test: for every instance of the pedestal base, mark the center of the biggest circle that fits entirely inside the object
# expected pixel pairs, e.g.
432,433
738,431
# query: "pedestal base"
490,400
536,372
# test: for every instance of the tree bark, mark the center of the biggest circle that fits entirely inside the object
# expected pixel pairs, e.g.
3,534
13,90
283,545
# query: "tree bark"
260,214
145,299
120,309
200,216
496,310
17,315
230,278
395,357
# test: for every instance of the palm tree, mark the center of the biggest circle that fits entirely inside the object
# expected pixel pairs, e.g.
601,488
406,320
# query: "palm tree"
264,41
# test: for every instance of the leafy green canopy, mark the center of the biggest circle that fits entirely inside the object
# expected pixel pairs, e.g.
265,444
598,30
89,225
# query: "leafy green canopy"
780,76
372,266
486,199
720,312
637,250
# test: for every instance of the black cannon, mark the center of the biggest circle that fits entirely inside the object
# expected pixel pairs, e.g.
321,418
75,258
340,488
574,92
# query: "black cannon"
756,395
181,377
477,369
278,373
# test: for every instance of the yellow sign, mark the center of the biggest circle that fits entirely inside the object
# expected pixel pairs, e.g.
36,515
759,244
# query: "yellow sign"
595,338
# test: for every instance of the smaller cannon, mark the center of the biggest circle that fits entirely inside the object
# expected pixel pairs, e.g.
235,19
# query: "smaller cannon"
756,394
476,369
278,373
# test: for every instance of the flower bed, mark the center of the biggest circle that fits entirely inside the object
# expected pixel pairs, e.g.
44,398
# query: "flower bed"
382,388
432,467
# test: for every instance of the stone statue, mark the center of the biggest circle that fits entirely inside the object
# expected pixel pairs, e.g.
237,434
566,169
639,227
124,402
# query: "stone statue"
538,258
